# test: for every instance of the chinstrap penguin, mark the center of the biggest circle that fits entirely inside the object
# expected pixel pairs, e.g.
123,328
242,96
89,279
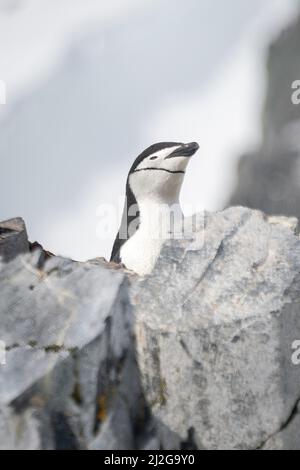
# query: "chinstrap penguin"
152,195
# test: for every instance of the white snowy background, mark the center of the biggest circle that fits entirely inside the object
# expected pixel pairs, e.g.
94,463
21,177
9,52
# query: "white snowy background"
89,84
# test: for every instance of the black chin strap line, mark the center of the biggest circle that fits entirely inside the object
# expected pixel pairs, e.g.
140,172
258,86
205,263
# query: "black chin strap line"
160,169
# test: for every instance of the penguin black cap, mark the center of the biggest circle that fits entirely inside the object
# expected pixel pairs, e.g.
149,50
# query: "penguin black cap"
182,149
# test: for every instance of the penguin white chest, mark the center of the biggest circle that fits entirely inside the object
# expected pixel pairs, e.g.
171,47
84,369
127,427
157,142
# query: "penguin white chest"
140,252
159,222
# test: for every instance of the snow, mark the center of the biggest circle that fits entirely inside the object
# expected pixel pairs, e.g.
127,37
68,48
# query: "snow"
89,84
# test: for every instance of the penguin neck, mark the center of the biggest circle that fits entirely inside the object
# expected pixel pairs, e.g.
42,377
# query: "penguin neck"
155,204
159,216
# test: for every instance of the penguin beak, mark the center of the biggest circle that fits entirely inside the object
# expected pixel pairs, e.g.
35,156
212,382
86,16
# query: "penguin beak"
185,150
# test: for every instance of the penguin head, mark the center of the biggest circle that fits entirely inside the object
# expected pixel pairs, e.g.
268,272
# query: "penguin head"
158,172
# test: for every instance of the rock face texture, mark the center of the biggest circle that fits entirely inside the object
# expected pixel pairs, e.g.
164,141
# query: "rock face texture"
269,179
13,239
197,355
215,324
70,379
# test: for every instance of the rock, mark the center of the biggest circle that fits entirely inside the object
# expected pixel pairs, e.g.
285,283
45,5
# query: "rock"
69,356
215,323
288,438
198,355
13,239
19,431
269,178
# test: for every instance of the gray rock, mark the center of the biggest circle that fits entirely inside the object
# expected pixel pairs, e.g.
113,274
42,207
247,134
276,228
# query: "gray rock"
13,239
215,323
269,178
196,355
19,431
69,356
288,438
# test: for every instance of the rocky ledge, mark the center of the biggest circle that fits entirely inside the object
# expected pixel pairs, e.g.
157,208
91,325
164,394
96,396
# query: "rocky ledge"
200,354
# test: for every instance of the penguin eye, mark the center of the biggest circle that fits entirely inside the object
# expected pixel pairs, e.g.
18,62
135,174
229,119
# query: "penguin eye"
153,158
